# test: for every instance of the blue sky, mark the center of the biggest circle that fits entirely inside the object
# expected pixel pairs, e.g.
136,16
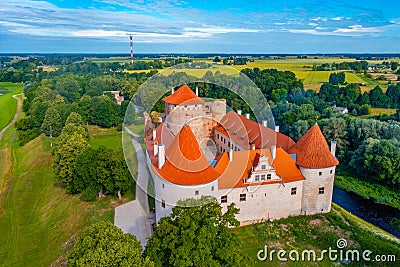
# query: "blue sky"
184,26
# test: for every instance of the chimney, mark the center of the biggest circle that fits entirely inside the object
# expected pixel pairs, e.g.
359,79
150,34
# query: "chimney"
231,155
248,116
277,129
253,147
161,156
154,134
197,91
273,152
333,148
265,123
155,147
172,90
239,112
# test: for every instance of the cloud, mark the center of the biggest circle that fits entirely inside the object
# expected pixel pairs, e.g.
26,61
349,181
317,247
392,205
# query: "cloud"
352,31
337,18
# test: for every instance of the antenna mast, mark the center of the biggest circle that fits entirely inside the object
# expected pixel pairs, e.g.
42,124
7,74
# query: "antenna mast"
131,45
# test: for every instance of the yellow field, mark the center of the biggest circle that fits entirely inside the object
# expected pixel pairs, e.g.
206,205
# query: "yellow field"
302,68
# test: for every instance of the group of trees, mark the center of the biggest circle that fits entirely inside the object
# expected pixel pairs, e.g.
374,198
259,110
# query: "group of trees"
337,78
197,233
83,169
49,103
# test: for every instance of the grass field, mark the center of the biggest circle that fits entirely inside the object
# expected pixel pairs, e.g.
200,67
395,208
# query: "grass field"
37,217
8,105
317,232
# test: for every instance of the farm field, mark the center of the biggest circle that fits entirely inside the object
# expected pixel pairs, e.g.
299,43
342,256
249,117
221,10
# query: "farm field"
37,217
8,105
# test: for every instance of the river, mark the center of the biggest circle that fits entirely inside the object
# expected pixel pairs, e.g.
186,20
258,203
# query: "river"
376,214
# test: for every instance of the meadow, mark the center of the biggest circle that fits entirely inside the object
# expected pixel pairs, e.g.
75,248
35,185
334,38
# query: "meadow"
8,105
37,217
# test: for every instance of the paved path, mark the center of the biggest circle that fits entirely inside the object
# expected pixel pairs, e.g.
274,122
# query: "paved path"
132,217
17,112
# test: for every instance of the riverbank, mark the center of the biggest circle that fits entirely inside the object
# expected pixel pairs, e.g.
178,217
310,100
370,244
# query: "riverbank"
378,193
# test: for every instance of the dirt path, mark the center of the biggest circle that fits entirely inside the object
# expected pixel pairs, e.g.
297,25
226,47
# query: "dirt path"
17,113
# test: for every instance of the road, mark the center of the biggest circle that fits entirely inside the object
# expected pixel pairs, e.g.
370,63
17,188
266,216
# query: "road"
18,111
133,217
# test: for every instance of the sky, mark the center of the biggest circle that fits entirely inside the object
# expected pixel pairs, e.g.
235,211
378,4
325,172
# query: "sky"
186,26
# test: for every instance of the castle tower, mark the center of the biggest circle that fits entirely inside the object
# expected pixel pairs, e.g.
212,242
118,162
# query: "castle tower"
317,164
184,107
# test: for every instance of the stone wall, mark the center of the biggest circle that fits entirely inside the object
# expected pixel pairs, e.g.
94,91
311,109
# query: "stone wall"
272,201
313,200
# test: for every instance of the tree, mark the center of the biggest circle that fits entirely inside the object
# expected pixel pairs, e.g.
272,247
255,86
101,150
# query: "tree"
122,179
51,122
394,65
336,129
217,59
198,235
104,244
337,78
378,99
361,129
378,160
298,129
65,157
74,118
364,109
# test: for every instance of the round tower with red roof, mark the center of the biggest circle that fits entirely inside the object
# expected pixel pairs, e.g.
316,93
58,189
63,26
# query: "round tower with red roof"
317,164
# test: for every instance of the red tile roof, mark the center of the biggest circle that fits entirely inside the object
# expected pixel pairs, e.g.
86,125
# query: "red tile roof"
244,131
184,95
163,135
186,163
233,173
312,150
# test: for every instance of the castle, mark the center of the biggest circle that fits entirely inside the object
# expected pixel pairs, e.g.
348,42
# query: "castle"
199,149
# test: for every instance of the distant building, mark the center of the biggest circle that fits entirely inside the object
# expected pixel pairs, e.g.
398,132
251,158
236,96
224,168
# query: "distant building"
343,110
199,149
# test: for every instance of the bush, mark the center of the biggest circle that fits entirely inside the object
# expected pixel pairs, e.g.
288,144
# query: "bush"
89,194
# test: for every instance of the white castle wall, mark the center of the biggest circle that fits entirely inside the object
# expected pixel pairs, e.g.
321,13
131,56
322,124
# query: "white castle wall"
313,202
170,193
263,202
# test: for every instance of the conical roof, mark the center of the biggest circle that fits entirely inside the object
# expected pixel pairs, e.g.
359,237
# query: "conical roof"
184,95
186,163
312,150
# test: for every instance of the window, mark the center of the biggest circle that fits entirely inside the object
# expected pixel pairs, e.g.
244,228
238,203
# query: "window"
257,178
229,144
224,141
331,171
321,190
263,167
263,177
242,197
163,186
269,176
224,199
196,193
163,204
320,173
217,136
212,188
293,191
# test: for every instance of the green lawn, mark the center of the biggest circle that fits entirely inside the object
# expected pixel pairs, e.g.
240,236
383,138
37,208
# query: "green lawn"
317,232
8,105
38,219
110,137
